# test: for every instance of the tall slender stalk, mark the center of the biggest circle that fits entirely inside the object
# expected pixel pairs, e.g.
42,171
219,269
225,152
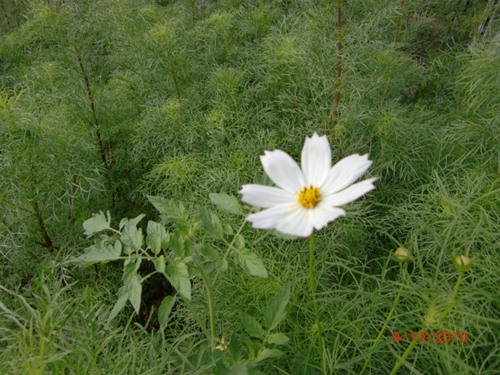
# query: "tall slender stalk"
312,284
90,98
404,271
336,96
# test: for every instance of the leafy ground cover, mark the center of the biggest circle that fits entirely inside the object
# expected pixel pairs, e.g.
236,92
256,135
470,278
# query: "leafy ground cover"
110,110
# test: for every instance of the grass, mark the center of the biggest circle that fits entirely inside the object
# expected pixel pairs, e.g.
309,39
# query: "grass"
186,96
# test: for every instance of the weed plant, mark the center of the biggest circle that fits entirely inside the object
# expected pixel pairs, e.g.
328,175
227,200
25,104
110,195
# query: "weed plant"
105,103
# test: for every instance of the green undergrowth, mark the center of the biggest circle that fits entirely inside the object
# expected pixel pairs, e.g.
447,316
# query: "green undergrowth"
106,103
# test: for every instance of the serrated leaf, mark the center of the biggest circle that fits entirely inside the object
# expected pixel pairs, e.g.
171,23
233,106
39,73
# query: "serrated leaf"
134,288
251,262
275,312
155,236
178,275
101,251
132,237
210,222
277,338
226,203
119,305
159,264
98,222
251,325
165,309
268,353
172,211
239,241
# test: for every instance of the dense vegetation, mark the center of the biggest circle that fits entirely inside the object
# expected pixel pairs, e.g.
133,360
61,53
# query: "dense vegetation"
106,103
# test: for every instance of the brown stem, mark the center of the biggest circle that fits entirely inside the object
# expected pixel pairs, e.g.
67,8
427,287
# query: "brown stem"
90,98
47,241
336,97
398,22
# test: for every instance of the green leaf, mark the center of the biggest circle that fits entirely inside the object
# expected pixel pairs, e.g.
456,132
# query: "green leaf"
275,312
98,222
101,251
131,236
251,262
165,309
277,338
119,305
210,222
268,353
251,325
172,211
226,203
159,263
134,289
178,276
155,237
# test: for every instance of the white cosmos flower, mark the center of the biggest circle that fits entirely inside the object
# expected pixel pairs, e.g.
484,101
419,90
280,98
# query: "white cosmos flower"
306,198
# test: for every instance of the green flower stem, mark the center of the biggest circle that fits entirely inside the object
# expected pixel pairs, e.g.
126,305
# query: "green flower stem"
312,284
403,358
445,313
200,323
211,306
389,316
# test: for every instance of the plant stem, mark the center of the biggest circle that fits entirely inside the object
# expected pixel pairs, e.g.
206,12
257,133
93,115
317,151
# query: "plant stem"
389,316
312,284
336,97
445,313
211,307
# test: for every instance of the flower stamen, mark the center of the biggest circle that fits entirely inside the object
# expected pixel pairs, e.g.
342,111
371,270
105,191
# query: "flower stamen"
309,197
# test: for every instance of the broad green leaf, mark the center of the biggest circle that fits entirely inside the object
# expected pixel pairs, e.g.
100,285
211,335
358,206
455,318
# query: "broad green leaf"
98,222
268,353
178,276
228,229
131,235
134,289
165,309
226,203
171,211
120,304
275,312
159,263
251,262
210,222
239,241
277,338
251,325
155,237
101,251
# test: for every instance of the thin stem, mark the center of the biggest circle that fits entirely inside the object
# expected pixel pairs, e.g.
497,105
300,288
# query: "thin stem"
389,316
403,358
312,284
445,313
336,97
211,307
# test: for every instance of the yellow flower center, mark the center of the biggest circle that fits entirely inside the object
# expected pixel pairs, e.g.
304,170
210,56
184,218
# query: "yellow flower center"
309,197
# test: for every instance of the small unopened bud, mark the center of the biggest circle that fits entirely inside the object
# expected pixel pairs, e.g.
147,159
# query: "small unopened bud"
462,263
402,255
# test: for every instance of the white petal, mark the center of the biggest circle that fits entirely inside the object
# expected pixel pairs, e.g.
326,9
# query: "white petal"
269,218
316,160
350,194
297,223
266,196
322,214
345,172
283,170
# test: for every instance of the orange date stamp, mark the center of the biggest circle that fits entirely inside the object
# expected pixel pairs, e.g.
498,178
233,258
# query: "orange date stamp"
436,337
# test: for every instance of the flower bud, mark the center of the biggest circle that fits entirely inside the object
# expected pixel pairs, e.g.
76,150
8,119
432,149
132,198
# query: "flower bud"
402,255
462,263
